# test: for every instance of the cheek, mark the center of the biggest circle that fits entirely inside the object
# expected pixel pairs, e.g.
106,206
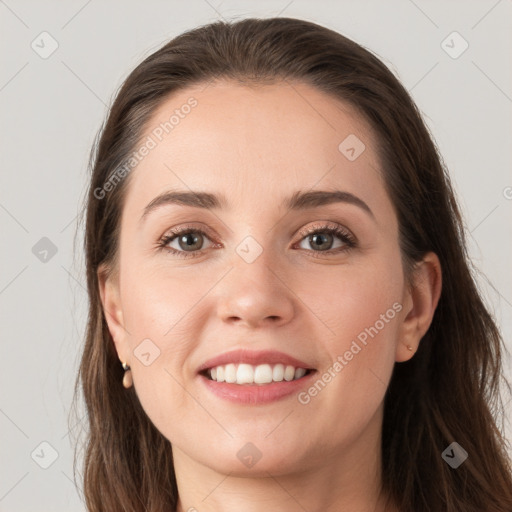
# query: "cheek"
162,326
157,298
352,299
361,306
165,310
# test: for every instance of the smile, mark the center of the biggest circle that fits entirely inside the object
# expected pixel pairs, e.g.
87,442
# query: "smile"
251,393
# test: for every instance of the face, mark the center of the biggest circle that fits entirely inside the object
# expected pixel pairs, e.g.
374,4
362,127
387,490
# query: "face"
320,281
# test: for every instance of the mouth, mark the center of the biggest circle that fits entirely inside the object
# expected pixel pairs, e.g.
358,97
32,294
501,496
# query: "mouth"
243,385
254,377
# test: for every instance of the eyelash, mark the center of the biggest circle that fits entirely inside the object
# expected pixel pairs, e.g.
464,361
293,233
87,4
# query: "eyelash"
346,237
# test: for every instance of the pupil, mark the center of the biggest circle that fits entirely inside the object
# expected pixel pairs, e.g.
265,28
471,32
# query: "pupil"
186,240
315,237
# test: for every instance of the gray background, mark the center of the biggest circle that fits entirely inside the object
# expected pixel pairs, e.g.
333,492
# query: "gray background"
52,108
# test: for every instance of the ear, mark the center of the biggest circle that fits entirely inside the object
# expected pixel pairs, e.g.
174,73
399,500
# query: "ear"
420,302
111,301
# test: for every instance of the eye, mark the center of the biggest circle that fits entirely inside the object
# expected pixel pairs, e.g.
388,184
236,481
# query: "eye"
188,242
322,239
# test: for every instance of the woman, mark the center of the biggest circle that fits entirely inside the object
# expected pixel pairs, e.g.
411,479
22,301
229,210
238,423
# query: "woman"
282,310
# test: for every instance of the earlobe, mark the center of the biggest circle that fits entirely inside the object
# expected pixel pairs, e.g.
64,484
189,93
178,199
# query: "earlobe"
422,300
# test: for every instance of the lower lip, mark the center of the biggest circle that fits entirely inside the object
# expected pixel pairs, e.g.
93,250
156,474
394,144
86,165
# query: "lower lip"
255,393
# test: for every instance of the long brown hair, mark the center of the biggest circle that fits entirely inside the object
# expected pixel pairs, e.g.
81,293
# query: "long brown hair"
448,392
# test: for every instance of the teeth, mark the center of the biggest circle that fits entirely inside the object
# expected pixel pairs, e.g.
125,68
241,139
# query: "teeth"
289,373
262,374
230,373
299,372
278,373
245,374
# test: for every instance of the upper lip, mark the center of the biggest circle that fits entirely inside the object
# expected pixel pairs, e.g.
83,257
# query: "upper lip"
254,358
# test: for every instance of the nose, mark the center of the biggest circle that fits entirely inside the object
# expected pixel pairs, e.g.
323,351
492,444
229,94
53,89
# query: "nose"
256,294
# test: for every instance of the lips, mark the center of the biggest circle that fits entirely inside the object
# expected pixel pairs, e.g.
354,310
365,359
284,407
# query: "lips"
255,358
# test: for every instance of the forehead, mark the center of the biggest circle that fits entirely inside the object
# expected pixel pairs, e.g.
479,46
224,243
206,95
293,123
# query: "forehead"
253,143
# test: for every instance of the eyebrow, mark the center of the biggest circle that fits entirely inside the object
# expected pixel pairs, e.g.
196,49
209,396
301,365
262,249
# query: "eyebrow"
299,200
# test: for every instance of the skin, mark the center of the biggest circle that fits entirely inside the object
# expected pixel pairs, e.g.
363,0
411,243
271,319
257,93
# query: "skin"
256,145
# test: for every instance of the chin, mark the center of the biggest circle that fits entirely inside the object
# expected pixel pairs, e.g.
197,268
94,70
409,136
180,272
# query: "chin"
249,460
